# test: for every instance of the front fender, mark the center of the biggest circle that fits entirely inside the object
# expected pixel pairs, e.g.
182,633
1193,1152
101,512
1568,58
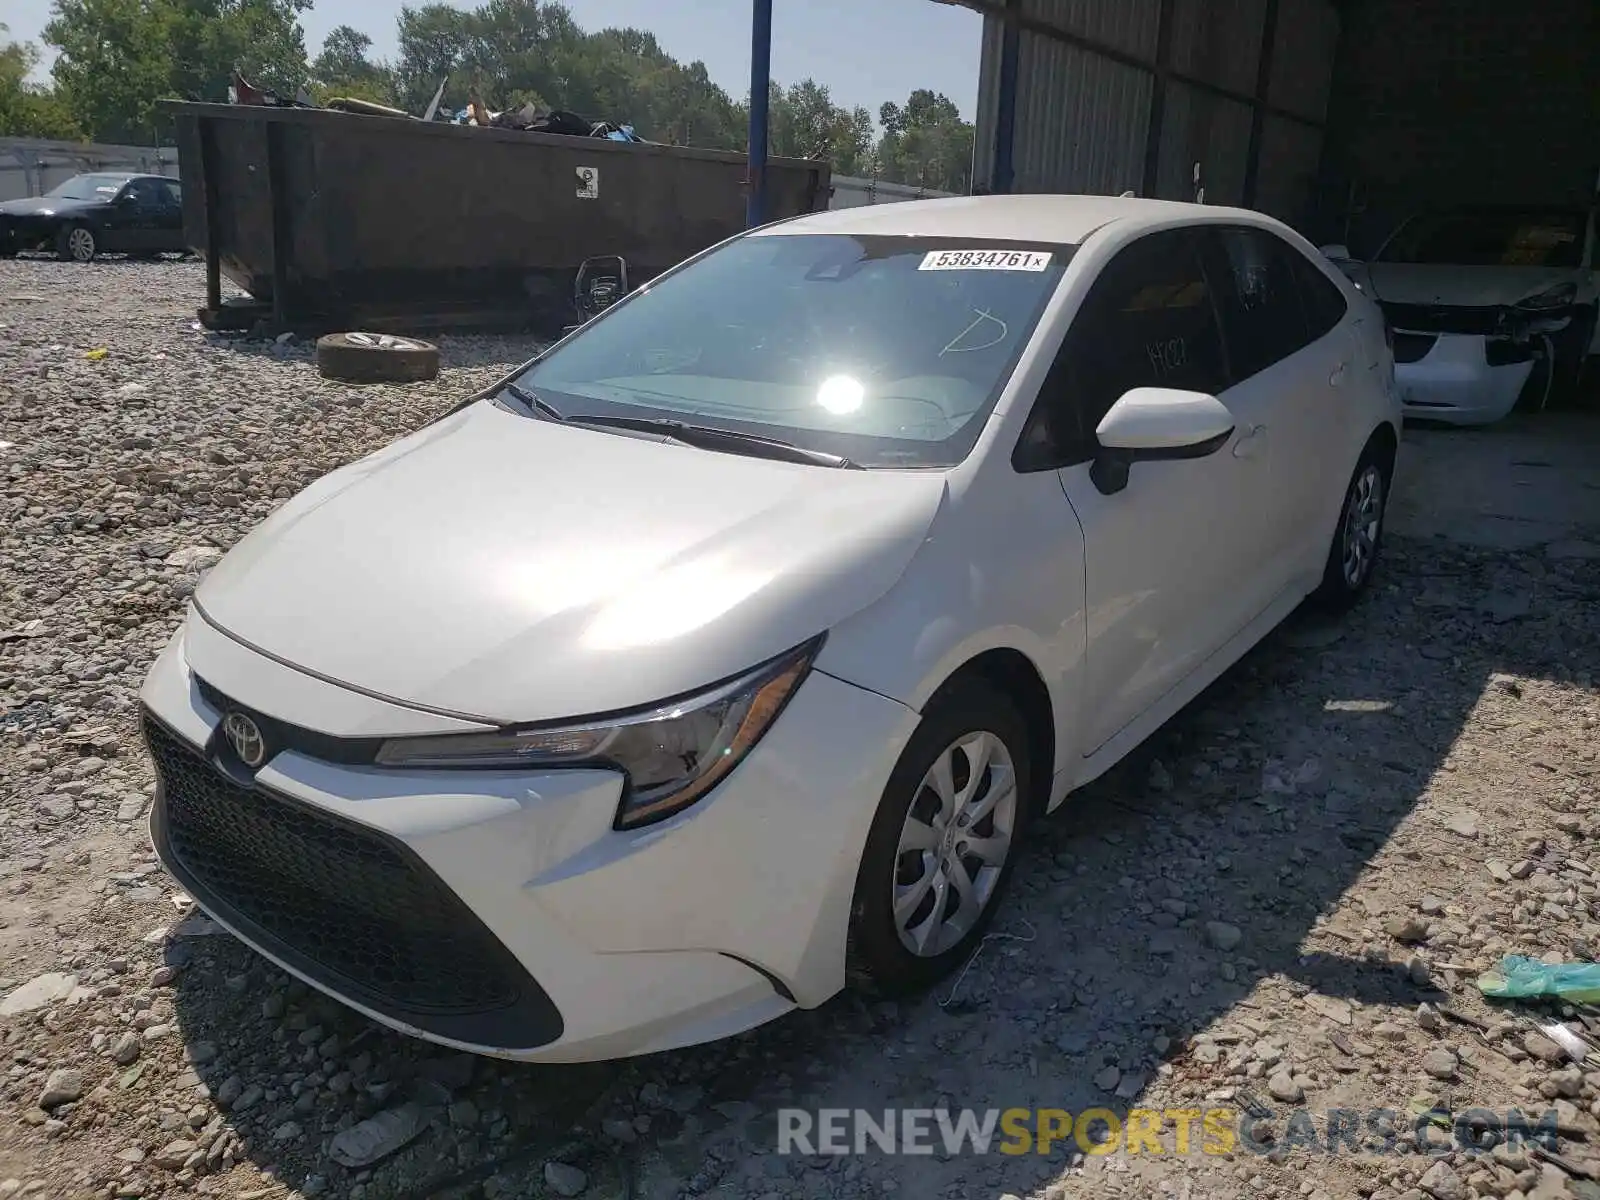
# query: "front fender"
1004,572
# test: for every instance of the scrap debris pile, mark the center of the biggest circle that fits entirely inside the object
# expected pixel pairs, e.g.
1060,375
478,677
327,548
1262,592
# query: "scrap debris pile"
528,118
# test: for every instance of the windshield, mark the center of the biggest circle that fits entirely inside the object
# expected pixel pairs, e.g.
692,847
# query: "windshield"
889,351
1490,238
89,187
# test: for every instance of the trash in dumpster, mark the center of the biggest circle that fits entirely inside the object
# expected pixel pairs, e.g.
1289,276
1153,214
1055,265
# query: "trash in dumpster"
1519,978
241,91
365,108
530,118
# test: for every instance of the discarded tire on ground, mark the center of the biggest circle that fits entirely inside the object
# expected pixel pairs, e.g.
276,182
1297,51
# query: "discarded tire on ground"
376,358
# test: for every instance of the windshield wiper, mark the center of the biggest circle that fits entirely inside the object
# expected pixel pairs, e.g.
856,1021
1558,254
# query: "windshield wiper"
706,437
533,401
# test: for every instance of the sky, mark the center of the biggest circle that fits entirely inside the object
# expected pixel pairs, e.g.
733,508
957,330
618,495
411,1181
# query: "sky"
865,51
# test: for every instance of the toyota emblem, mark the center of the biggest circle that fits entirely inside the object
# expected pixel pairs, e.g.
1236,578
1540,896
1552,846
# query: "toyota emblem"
244,735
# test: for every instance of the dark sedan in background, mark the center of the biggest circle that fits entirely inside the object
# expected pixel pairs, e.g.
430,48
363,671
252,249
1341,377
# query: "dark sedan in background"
93,214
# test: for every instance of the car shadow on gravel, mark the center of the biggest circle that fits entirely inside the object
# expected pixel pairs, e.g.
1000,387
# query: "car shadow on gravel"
1258,807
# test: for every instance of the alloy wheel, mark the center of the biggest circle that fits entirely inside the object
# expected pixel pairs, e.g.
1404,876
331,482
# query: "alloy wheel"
954,844
80,243
1363,514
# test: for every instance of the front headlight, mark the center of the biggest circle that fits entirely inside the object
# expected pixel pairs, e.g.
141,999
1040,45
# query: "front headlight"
1557,297
672,754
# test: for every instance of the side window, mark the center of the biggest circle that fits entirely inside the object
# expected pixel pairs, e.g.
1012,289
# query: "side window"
144,192
172,195
1262,316
1148,321
1324,303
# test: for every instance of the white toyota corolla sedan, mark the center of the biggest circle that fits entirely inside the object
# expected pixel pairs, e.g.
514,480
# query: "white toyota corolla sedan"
724,653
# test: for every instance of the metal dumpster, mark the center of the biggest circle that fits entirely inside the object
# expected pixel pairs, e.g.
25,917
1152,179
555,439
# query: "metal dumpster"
331,220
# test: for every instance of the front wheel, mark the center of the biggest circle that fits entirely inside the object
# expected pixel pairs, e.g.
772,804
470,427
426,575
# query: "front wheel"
1359,534
942,844
76,243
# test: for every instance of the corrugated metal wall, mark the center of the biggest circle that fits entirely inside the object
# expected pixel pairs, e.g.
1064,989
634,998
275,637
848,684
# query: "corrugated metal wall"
1083,118
32,166
1441,101
1218,40
1201,127
851,191
1126,25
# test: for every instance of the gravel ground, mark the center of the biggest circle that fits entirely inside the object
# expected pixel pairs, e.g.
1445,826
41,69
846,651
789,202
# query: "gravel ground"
1289,891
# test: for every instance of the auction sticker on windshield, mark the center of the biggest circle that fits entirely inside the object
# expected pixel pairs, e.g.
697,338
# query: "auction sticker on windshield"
985,260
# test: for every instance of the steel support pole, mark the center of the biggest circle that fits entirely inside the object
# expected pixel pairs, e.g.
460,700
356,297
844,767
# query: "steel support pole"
760,83
1005,122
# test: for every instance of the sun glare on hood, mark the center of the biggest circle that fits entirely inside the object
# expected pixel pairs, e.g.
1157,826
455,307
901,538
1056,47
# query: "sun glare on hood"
681,599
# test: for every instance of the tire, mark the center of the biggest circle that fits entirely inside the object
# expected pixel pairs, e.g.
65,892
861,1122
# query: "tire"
376,358
879,959
76,243
1358,533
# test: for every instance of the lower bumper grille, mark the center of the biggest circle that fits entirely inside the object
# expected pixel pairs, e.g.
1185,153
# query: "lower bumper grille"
1438,318
352,909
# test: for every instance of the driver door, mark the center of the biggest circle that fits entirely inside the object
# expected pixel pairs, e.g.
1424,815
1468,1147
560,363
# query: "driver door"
129,213
1179,561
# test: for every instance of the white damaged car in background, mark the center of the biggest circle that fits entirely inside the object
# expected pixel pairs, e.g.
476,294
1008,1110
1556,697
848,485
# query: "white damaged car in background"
1484,303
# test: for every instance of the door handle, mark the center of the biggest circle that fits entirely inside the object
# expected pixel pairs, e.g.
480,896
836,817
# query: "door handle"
1252,443
1337,378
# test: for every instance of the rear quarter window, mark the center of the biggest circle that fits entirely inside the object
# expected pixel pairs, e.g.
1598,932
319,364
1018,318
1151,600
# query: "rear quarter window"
1324,302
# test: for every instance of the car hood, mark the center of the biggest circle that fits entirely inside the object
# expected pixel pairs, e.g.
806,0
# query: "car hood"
511,569
45,206
1466,287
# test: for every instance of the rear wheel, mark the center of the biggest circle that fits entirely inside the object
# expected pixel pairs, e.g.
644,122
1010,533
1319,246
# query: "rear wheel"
1358,536
76,243
942,844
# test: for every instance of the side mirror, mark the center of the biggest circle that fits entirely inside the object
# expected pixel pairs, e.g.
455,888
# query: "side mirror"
1150,424
1337,252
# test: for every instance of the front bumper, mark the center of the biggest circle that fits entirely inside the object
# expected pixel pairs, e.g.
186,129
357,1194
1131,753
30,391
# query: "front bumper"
498,911
1453,381
17,235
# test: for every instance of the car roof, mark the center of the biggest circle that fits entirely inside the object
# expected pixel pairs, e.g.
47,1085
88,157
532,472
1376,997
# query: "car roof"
127,176
1057,219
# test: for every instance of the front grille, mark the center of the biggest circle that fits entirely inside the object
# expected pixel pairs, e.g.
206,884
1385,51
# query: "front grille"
281,735
1413,347
346,906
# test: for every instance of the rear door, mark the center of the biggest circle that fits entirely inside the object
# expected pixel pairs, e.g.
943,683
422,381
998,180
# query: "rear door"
168,229
133,217
1293,367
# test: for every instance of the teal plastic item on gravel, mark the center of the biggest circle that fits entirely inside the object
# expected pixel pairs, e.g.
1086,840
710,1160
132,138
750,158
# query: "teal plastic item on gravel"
1519,978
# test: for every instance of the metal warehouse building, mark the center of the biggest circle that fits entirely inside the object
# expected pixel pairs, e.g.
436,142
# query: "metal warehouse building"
1338,116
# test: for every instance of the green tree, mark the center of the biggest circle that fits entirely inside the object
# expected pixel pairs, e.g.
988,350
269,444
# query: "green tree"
343,69
118,58
25,109
804,122
517,52
925,142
